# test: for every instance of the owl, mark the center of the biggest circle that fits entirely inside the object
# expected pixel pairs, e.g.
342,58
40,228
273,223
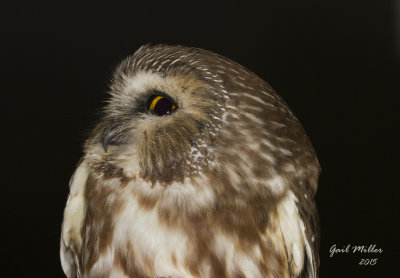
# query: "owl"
197,168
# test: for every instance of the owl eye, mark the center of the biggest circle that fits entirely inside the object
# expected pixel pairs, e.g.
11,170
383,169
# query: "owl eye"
160,105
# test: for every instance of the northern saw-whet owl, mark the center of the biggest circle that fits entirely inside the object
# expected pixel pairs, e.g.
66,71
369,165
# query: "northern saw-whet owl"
196,169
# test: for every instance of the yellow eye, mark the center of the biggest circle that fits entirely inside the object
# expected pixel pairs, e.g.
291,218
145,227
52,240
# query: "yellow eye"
160,105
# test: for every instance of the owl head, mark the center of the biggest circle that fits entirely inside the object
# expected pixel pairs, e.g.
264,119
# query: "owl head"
176,112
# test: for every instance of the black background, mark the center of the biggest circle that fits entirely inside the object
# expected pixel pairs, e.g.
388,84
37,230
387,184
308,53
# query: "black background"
334,62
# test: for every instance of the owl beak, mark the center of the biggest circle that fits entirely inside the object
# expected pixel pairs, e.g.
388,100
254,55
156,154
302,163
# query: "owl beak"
107,137
105,141
113,135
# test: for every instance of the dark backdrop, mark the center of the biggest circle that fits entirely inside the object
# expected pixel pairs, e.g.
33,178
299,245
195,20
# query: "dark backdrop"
334,62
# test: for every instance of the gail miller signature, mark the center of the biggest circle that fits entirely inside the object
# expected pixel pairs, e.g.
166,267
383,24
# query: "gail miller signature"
361,249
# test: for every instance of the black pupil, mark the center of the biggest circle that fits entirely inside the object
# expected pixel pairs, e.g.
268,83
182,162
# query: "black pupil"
163,107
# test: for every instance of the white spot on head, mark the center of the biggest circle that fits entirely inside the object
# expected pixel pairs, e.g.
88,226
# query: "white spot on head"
268,94
277,185
253,118
285,152
289,167
176,60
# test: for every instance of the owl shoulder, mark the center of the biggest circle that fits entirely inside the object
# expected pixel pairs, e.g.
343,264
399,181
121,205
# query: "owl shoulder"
74,214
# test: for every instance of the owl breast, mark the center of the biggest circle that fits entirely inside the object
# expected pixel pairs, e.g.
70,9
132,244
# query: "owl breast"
144,230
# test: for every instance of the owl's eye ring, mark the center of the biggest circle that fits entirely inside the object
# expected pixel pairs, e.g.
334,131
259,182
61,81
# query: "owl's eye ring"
160,105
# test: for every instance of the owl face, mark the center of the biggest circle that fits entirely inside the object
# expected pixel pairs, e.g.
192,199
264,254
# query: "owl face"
158,118
178,112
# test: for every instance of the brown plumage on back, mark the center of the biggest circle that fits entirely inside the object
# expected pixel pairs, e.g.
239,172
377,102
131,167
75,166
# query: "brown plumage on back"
197,169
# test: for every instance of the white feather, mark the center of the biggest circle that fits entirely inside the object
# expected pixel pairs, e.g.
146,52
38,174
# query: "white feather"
288,215
73,220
